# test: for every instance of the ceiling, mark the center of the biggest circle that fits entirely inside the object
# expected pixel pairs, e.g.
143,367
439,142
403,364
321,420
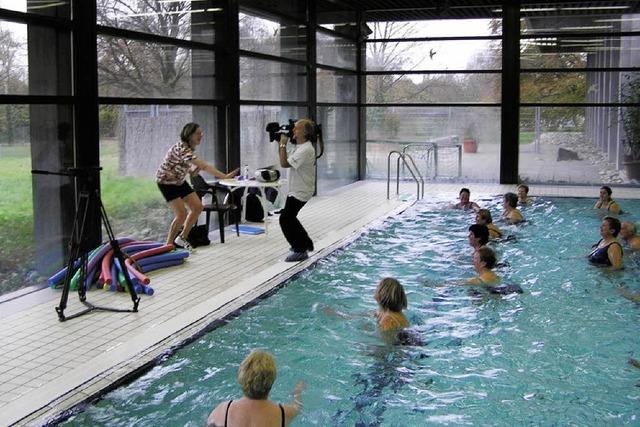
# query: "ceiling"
409,10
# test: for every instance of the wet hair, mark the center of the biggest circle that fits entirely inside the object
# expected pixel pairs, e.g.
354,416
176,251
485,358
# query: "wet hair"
391,295
481,232
614,224
464,190
486,215
488,256
630,226
257,374
309,128
187,131
607,189
525,187
511,199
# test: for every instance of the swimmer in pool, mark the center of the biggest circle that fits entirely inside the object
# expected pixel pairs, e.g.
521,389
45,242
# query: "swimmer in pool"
478,236
391,300
523,194
464,202
510,212
483,217
608,251
256,375
628,232
484,259
606,202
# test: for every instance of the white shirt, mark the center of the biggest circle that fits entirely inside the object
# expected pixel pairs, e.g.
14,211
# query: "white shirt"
302,175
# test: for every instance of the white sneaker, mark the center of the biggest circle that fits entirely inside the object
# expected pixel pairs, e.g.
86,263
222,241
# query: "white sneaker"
183,244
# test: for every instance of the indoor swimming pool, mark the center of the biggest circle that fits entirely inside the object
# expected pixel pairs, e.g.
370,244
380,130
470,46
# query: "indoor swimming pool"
554,355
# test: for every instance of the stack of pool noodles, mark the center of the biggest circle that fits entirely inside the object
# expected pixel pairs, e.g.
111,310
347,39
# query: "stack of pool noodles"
106,272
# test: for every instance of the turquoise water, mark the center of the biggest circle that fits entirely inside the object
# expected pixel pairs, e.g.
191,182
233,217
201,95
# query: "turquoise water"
554,355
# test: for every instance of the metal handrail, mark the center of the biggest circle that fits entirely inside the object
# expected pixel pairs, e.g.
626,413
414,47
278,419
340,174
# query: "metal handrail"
411,167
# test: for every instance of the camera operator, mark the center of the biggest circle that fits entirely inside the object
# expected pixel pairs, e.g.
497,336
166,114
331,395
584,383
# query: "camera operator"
301,187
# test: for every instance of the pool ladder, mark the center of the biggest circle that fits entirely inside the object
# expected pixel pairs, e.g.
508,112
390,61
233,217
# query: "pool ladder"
411,167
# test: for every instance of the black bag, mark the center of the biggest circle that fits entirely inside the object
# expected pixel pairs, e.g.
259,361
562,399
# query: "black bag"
254,212
199,236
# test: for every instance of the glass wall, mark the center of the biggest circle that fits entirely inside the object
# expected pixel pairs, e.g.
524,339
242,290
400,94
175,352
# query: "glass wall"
577,76
442,129
256,149
339,164
454,89
191,20
133,142
32,226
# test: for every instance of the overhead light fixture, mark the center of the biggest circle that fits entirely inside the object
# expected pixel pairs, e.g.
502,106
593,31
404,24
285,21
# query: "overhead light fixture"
538,9
174,12
46,5
595,8
616,20
593,27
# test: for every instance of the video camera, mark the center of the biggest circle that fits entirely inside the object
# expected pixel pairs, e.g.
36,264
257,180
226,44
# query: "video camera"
275,130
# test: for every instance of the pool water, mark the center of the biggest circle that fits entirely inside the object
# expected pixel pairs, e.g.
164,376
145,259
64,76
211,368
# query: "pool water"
554,355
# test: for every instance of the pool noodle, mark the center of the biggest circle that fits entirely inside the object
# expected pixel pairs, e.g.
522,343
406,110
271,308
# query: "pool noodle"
141,255
163,257
151,267
106,276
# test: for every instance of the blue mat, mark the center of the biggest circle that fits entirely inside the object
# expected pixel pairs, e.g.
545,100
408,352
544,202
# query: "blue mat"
247,229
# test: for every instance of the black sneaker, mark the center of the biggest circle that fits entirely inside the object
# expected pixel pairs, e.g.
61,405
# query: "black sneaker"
296,256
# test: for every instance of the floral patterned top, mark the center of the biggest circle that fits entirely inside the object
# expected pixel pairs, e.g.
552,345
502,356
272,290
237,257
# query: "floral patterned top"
176,165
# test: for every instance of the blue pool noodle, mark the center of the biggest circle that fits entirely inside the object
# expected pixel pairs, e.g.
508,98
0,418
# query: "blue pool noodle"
158,265
169,256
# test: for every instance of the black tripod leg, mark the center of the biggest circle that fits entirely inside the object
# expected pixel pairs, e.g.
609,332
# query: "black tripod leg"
117,253
74,252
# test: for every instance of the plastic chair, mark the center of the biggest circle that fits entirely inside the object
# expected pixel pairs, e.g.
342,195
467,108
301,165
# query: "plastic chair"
202,188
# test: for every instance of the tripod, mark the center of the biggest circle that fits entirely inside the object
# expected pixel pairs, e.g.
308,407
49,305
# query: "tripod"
87,201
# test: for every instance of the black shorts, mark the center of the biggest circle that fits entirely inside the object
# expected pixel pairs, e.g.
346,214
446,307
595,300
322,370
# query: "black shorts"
175,191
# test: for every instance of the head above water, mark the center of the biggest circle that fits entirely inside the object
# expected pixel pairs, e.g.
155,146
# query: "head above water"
257,374
483,216
607,189
480,233
613,223
511,200
390,295
628,229
487,256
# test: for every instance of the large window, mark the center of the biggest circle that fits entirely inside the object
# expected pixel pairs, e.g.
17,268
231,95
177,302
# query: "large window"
133,142
191,20
578,76
453,88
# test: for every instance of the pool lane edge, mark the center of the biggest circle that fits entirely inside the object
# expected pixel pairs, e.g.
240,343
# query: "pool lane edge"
208,315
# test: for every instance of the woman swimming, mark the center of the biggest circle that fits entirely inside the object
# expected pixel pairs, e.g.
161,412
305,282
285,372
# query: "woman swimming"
608,251
483,217
606,202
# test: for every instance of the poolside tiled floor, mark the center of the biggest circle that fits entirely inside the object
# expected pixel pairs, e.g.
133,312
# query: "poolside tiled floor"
47,366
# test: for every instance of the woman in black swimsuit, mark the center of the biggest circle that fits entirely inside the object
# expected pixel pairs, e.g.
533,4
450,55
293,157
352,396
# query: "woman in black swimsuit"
256,376
608,251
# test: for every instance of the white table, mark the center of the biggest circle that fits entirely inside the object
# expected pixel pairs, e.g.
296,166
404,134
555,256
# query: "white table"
235,184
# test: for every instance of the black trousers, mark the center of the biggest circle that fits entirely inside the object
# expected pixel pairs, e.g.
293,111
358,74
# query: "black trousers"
293,231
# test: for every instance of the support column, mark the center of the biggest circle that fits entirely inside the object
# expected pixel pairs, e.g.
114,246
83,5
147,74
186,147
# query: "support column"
510,113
